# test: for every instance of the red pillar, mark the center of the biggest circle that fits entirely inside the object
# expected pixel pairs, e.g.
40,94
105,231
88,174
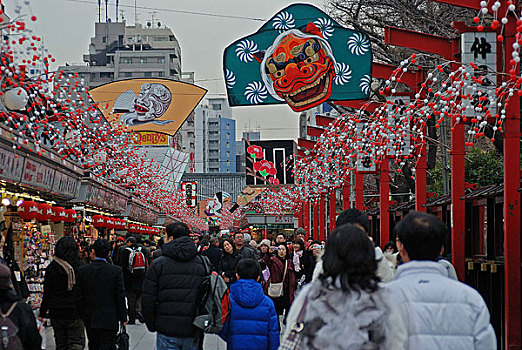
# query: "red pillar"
299,214
346,194
359,199
306,214
420,179
315,229
322,218
385,202
333,210
458,212
512,281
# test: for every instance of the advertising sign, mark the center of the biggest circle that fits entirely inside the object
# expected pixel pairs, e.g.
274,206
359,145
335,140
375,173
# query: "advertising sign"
11,167
145,138
190,191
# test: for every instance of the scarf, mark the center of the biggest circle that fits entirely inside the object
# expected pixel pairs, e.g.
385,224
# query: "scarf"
71,277
297,261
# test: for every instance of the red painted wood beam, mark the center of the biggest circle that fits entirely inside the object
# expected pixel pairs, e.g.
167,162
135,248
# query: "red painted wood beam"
322,217
315,230
333,210
384,196
470,4
346,194
306,214
314,131
306,143
370,106
359,188
323,120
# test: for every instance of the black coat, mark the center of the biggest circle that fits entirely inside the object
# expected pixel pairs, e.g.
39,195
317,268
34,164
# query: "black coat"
229,264
214,255
171,291
23,317
57,300
101,295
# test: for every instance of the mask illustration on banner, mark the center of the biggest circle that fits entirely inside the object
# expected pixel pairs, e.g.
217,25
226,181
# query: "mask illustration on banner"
300,57
157,105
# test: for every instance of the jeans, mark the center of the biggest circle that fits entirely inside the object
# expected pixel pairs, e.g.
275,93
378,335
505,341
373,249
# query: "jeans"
68,334
164,342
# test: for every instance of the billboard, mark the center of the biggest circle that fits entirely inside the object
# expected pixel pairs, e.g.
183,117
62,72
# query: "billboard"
158,105
190,190
146,138
270,162
301,57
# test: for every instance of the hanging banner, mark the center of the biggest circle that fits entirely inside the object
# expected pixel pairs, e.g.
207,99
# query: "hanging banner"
158,105
300,57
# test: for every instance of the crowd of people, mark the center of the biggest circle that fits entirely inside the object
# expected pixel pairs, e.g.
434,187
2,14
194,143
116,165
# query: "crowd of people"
289,293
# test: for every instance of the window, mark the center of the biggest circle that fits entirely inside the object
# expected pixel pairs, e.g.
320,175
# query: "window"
104,39
93,76
161,74
143,60
228,153
161,38
192,145
228,136
106,75
216,106
161,60
127,74
127,60
228,126
147,74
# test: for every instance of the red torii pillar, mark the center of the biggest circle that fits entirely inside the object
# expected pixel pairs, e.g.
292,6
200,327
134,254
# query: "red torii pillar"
346,194
306,215
333,209
385,202
449,49
315,230
359,187
322,218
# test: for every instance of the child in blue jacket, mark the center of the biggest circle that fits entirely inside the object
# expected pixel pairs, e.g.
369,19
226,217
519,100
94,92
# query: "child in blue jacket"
252,323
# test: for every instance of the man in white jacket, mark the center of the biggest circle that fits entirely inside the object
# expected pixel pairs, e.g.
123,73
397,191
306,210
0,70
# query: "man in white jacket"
438,312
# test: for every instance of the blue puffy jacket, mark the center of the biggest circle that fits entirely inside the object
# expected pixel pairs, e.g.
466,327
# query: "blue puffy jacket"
252,323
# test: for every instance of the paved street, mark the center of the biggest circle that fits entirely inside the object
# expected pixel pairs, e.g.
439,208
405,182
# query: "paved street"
142,339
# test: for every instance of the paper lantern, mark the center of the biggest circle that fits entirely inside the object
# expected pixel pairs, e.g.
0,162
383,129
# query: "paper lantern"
99,221
58,214
110,223
70,215
15,99
27,210
132,228
44,212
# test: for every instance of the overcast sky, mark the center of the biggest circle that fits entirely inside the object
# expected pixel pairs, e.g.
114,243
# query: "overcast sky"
67,26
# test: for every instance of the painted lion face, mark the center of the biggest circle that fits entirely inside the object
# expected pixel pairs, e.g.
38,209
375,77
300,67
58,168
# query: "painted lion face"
301,71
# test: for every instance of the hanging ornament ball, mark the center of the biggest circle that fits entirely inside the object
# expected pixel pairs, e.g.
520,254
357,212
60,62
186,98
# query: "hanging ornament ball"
15,99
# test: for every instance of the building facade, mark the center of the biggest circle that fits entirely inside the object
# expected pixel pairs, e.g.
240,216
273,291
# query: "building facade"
240,148
215,137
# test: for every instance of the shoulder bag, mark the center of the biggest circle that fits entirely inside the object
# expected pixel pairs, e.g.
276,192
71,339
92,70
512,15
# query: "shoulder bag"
275,290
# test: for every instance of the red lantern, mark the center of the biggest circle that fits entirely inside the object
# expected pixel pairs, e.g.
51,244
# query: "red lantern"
28,210
132,228
44,212
110,223
70,215
58,214
99,221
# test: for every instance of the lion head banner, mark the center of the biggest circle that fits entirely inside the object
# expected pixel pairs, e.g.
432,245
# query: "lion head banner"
159,105
300,57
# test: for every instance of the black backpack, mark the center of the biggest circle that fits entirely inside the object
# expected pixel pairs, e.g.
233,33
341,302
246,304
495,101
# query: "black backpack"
9,331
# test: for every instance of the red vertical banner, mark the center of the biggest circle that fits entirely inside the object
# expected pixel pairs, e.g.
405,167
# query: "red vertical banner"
322,218
458,213
385,202
333,210
306,216
359,198
315,229
346,194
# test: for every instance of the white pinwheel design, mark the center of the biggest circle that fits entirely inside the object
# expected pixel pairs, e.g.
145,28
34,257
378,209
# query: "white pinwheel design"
230,79
325,25
245,50
358,44
365,84
256,92
343,73
283,21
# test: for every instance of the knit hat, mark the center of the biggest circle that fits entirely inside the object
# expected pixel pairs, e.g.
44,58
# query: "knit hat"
5,278
247,238
300,231
265,242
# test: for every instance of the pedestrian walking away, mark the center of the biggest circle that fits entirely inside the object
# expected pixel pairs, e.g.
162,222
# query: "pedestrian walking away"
172,292
59,302
101,298
439,312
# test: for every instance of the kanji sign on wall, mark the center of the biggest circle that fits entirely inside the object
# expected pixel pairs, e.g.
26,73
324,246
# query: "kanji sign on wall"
190,190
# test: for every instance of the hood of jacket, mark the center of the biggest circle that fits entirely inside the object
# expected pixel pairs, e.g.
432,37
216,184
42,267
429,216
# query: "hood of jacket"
247,293
181,249
421,267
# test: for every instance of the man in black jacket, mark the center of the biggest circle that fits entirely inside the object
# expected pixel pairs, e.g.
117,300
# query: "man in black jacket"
214,253
133,280
21,315
171,291
102,298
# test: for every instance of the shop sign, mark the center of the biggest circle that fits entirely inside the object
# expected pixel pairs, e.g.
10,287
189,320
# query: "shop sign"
150,139
286,220
38,175
11,168
97,196
65,185
120,203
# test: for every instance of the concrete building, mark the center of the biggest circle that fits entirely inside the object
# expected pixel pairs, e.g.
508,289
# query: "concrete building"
215,137
240,149
118,51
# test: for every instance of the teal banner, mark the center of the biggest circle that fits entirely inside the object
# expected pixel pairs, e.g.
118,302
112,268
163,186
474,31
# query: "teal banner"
300,57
